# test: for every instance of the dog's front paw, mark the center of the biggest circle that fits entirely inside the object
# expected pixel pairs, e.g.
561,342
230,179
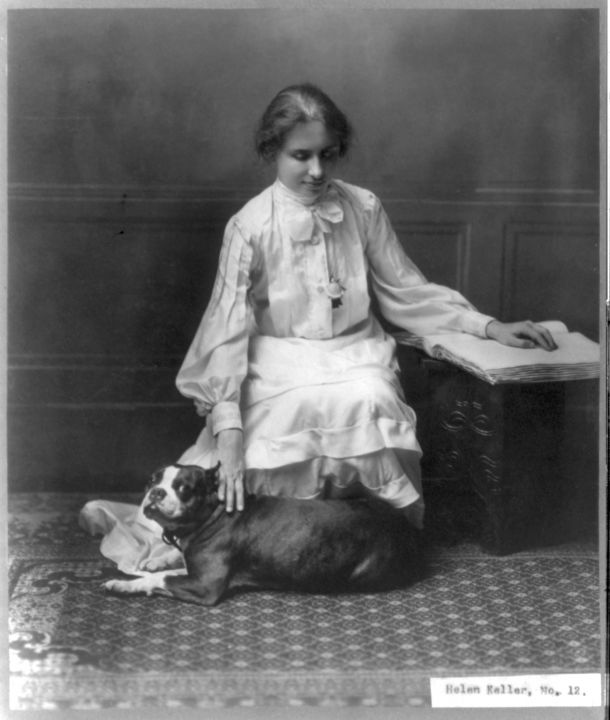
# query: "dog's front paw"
149,584
153,565
168,561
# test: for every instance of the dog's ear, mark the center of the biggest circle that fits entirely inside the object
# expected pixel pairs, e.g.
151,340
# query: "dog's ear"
193,473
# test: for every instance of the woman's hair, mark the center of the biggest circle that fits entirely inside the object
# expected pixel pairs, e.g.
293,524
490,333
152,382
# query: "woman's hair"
296,104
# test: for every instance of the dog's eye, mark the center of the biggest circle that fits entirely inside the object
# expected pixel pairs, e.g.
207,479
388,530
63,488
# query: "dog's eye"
184,491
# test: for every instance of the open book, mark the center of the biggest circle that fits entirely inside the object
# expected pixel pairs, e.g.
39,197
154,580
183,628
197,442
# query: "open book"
576,358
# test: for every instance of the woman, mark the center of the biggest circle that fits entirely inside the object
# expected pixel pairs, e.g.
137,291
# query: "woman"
295,376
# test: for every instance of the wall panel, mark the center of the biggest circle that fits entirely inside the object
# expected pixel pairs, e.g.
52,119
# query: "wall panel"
107,289
99,447
440,250
553,268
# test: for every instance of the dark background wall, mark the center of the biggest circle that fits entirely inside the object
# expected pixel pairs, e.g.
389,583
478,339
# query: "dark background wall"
130,145
443,101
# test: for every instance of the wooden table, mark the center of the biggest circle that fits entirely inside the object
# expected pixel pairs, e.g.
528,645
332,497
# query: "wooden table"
492,454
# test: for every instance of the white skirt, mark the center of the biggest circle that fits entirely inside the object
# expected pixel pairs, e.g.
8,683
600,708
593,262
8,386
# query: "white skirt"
316,414
315,411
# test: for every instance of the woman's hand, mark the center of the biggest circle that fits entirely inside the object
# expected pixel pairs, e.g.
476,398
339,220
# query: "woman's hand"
231,472
524,334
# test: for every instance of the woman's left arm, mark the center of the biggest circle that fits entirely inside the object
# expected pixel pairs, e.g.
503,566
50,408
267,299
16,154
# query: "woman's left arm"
409,301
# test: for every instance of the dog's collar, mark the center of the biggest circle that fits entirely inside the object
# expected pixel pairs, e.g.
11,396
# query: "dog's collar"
170,538
174,537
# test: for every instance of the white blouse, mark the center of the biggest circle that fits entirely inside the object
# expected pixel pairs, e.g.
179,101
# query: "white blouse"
277,257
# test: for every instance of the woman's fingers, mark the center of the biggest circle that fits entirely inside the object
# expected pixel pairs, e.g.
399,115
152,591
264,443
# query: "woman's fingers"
518,341
239,493
231,471
222,488
231,490
538,335
547,340
524,334
230,494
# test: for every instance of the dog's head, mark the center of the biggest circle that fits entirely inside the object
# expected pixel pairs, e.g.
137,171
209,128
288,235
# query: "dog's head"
181,495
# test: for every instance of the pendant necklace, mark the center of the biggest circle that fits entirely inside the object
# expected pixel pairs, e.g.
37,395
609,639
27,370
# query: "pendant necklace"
335,290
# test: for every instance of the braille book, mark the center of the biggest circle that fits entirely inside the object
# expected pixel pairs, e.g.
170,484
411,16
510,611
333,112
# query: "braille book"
576,357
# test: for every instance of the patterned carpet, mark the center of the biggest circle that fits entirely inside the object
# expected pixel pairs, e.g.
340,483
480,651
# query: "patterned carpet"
74,646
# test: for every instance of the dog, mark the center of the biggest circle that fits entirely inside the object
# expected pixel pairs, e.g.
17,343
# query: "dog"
274,543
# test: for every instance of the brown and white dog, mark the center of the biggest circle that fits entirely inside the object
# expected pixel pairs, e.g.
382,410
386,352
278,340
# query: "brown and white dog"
274,543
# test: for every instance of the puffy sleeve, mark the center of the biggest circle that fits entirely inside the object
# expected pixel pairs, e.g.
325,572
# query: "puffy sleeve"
216,362
405,297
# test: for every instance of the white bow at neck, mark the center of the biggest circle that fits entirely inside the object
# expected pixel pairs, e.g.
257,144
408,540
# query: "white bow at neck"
304,215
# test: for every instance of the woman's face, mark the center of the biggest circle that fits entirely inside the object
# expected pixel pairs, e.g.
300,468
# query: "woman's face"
307,158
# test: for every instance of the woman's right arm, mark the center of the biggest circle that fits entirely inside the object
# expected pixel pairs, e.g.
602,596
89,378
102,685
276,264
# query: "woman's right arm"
217,360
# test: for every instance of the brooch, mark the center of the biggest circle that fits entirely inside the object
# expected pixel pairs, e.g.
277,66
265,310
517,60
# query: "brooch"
335,291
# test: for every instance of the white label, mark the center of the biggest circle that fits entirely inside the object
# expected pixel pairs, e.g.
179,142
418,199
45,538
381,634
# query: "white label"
568,690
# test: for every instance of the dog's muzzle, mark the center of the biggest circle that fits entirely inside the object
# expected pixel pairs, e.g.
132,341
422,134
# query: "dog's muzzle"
156,495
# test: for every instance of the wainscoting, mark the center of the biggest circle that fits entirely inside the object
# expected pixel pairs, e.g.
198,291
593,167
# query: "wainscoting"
107,286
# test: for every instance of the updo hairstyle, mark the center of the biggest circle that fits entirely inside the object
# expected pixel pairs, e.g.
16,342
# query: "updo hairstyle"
293,105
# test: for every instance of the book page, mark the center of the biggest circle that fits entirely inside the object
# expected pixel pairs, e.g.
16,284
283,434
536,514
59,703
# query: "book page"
573,348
